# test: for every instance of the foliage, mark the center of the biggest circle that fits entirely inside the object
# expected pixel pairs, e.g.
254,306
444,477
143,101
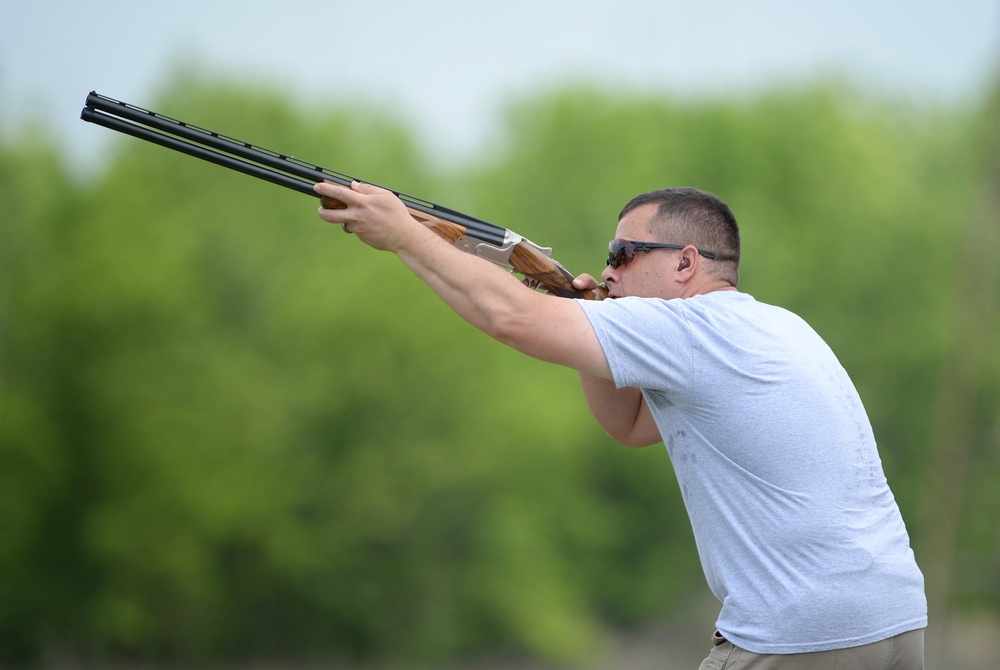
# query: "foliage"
229,431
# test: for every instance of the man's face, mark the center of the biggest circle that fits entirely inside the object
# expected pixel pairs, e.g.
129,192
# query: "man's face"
648,274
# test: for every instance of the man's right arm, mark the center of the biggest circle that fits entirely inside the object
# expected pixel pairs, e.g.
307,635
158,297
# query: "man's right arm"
622,412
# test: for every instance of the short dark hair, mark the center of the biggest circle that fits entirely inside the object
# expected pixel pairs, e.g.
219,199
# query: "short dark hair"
692,216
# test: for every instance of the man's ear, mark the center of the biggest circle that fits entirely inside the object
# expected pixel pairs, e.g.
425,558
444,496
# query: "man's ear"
688,256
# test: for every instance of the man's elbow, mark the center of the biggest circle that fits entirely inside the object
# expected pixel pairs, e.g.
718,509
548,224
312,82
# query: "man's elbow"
633,439
629,433
633,429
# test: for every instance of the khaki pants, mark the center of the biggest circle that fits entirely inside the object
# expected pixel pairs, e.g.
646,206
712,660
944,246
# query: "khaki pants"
902,652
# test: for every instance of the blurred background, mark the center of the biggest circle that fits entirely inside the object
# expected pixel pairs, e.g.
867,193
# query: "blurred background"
232,437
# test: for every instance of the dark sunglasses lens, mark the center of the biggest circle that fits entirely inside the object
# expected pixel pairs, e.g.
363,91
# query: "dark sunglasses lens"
620,253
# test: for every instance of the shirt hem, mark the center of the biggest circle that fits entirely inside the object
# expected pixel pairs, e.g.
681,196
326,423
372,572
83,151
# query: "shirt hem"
811,647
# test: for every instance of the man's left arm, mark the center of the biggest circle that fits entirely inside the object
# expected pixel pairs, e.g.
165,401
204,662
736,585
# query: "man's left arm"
549,329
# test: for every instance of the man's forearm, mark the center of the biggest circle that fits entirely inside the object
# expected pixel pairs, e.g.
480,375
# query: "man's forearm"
481,293
544,327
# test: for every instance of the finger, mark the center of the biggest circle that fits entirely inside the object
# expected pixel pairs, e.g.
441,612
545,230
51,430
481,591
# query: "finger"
334,202
335,192
332,215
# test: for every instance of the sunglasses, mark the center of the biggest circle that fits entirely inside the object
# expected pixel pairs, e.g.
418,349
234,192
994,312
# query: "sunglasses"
622,252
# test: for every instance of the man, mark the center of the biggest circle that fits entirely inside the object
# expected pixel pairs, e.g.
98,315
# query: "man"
799,535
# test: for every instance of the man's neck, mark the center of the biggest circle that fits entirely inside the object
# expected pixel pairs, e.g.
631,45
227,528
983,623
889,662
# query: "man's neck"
708,287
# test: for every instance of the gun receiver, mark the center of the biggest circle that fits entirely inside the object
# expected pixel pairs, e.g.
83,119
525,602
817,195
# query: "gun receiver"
493,243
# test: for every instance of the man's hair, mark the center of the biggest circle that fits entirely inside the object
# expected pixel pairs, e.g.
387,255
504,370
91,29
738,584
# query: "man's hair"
687,215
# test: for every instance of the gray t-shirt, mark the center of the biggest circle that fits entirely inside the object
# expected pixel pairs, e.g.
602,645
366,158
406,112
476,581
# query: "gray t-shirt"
799,535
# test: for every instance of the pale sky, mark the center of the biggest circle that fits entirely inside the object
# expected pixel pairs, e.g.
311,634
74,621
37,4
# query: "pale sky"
449,65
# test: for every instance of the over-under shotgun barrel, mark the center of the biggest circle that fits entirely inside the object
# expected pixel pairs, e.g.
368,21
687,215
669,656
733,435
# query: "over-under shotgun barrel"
299,175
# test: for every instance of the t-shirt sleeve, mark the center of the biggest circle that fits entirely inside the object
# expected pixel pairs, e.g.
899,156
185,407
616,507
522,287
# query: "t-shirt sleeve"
647,341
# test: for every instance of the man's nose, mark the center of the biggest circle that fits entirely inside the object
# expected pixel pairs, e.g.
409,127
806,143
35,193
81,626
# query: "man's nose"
609,275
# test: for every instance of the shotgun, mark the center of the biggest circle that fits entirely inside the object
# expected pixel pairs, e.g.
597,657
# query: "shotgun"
493,243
